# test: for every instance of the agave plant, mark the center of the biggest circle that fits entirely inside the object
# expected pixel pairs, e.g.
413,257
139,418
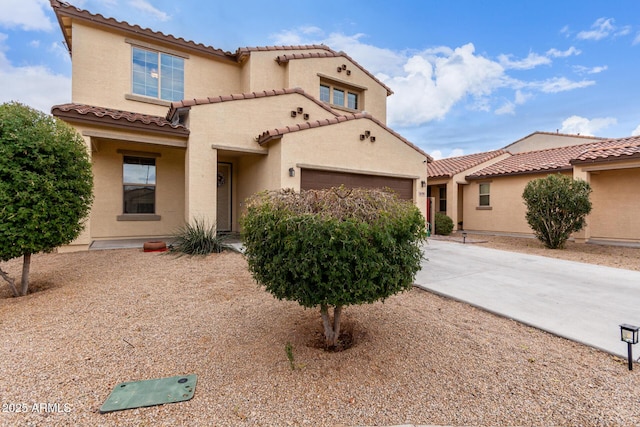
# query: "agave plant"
198,239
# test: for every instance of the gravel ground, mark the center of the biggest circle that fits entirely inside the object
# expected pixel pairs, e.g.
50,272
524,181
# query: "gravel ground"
99,318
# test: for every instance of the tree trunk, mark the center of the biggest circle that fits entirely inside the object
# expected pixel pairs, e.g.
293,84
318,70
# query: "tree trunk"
331,329
26,265
11,281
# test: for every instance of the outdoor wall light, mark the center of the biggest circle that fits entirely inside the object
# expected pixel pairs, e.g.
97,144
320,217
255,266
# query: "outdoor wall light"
629,334
292,172
423,184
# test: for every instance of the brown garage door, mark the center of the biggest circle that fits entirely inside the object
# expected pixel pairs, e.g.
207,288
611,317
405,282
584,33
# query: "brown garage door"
311,179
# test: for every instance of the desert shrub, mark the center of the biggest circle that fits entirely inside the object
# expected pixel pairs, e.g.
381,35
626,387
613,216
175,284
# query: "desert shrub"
556,207
332,248
197,239
444,224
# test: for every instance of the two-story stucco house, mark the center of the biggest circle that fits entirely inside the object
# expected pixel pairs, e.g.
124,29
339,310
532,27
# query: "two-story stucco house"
178,130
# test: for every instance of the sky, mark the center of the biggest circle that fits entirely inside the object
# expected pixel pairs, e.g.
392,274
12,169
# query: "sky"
468,76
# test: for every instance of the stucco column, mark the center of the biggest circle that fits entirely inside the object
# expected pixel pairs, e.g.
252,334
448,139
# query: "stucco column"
583,235
201,167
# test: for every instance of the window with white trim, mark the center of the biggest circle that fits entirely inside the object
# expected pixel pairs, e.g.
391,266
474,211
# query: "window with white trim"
157,74
484,194
139,185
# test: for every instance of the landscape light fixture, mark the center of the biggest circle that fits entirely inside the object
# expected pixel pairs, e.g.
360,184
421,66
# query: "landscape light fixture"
464,237
629,334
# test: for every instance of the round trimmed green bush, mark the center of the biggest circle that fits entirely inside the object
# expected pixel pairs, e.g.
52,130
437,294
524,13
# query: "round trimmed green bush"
333,247
444,224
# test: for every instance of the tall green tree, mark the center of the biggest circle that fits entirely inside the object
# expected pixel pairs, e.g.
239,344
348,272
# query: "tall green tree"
46,186
556,207
333,248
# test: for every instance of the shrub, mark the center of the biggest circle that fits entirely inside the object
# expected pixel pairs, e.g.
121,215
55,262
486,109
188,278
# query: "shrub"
556,207
444,224
332,247
46,186
197,239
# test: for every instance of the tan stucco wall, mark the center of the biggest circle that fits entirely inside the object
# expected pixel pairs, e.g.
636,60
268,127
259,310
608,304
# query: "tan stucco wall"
338,147
616,205
507,213
542,141
107,167
101,72
262,72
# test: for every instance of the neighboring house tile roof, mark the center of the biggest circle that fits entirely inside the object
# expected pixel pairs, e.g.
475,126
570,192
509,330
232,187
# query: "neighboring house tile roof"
447,168
331,54
108,116
549,160
175,106
623,149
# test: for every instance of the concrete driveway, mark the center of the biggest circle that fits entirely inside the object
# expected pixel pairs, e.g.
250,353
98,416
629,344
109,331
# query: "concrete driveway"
581,302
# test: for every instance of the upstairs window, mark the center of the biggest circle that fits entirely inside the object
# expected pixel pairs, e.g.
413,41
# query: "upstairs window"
324,93
139,185
345,97
484,194
157,75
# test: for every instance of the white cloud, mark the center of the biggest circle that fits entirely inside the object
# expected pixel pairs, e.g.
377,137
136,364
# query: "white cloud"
593,70
146,7
434,81
584,126
437,154
28,15
558,84
636,40
563,53
508,108
35,86
636,131
603,28
531,61
522,97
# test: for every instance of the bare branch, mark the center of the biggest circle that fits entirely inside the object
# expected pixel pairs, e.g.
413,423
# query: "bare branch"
11,281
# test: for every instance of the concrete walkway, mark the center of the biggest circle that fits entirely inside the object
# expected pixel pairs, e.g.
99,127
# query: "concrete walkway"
582,302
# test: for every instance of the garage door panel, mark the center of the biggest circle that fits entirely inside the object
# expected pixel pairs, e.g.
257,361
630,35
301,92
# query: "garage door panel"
311,179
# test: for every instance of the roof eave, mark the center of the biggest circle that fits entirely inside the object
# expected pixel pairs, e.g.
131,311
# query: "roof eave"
528,172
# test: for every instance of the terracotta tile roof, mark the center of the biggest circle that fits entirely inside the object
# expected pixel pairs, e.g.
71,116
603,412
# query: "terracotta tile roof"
622,149
175,106
279,132
541,161
64,12
447,168
331,54
108,116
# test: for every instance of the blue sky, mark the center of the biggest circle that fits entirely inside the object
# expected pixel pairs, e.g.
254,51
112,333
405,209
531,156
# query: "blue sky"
467,76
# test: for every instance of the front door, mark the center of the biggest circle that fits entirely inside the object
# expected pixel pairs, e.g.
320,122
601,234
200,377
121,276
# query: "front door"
224,197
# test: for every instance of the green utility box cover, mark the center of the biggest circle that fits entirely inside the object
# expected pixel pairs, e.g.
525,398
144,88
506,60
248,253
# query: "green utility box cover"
137,394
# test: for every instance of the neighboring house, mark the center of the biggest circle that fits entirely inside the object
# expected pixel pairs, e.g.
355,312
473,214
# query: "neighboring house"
178,130
447,177
493,200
